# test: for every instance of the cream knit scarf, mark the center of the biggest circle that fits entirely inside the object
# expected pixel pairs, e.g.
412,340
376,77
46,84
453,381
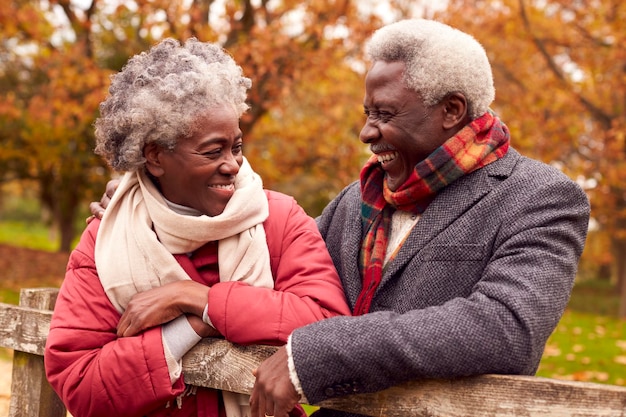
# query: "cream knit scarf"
139,233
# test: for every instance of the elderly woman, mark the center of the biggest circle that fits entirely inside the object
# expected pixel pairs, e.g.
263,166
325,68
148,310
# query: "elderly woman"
190,246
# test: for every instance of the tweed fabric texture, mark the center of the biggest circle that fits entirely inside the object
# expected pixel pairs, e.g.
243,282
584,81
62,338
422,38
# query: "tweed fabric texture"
477,287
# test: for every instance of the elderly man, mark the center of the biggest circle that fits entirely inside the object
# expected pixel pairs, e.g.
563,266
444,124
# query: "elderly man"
456,253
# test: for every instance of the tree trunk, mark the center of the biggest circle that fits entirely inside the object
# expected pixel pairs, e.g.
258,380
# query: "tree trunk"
66,211
61,195
619,255
67,232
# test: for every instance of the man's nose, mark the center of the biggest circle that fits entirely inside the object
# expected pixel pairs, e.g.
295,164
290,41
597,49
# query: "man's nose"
369,132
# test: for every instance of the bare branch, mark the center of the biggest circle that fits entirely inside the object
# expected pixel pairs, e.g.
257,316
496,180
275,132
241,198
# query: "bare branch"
597,113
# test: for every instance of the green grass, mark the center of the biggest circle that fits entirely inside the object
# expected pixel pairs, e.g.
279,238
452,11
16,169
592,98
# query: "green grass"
595,297
6,354
9,296
309,409
33,235
589,343
586,347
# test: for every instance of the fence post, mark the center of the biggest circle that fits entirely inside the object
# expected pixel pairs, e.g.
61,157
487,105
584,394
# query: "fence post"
31,394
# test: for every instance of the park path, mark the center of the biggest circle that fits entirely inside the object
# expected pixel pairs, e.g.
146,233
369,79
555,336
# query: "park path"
5,386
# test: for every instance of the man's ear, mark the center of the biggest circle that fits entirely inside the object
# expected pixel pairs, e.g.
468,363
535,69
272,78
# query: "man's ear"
454,111
152,152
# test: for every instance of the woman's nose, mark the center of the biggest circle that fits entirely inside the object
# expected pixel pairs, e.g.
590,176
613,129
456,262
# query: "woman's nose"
231,164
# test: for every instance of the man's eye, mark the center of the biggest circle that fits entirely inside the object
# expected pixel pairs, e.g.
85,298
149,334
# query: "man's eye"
372,114
378,116
384,116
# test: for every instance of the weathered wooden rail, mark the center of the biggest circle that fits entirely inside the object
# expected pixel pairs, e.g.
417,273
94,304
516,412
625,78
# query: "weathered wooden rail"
222,365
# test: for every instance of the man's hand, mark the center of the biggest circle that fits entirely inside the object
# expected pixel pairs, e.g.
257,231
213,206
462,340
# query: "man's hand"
161,305
97,207
273,393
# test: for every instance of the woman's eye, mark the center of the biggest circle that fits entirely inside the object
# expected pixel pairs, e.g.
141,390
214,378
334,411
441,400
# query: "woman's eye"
213,153
237,149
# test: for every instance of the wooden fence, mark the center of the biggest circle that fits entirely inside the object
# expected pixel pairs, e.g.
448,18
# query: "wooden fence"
219,364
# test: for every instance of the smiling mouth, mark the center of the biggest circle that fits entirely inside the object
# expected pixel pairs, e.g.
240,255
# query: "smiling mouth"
386,157
226,187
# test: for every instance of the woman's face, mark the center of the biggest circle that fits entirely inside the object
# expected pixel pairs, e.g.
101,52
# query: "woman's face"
200,171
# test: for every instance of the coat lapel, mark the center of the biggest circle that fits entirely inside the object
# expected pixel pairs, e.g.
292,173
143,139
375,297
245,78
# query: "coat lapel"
448,206
350,250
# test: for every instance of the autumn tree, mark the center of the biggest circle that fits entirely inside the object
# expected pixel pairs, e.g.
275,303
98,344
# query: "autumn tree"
56,58
49,90
560,71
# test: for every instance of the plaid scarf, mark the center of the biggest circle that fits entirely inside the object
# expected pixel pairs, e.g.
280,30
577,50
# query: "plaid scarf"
481,142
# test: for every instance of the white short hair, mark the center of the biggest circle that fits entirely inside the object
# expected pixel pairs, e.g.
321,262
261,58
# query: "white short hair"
439,60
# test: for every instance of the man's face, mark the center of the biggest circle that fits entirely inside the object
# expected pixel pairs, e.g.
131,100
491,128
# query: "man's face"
399,129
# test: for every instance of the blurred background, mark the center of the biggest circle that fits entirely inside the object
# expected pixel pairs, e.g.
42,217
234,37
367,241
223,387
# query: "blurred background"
560,74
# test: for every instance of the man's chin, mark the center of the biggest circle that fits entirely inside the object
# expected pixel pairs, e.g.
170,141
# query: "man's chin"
394,183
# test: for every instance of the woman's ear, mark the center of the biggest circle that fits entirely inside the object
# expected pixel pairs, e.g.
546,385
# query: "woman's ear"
152,152
455,111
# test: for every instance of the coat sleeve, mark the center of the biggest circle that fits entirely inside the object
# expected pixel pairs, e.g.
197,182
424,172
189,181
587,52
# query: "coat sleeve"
306,284
92,371
500,304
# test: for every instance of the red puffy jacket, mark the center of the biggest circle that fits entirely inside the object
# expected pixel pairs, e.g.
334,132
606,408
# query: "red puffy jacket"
98,374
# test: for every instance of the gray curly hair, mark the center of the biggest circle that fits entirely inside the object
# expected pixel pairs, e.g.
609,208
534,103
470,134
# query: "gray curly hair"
439,60
159,96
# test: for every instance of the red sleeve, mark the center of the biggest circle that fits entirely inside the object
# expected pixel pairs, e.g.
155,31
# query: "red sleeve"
306,284
94,372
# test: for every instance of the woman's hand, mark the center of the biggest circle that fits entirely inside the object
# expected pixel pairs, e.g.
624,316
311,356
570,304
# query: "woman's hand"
162,304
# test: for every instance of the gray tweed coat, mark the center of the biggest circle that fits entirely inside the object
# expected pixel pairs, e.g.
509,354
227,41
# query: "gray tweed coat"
477,287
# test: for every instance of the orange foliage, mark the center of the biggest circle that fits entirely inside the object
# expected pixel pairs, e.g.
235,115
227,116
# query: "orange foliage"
46,133
560,70
301,130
